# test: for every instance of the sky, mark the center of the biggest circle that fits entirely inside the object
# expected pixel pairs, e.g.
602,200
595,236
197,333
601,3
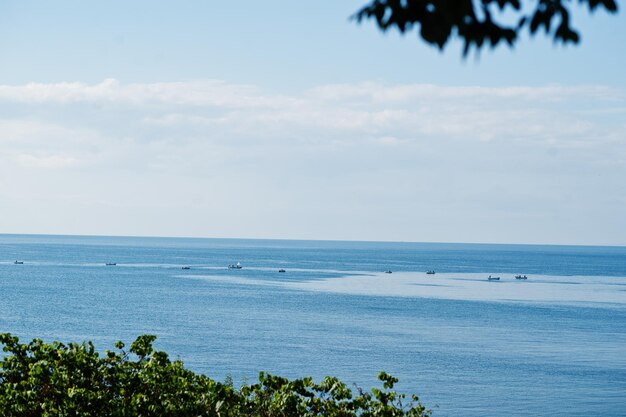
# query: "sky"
286,120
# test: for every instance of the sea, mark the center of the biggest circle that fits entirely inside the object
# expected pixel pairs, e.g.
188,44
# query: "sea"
551,345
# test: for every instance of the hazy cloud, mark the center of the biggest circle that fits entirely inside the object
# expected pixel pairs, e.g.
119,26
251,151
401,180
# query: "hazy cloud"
361,161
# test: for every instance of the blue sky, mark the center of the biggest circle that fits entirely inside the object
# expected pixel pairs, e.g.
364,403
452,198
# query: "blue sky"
284,119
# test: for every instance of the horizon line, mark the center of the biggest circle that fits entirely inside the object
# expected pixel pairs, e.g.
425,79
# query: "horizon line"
308,240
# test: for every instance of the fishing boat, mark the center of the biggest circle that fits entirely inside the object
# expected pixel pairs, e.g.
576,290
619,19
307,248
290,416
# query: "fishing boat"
490,278
430,272
186,267
388,271
521,277
19,262
281,270
111,264
235,266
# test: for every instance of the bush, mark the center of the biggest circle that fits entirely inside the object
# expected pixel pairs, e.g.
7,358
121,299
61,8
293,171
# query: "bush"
40,379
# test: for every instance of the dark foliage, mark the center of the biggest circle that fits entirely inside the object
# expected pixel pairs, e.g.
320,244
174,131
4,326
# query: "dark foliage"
474,21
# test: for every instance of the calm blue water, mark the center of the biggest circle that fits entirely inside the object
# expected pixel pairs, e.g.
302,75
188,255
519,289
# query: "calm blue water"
511,353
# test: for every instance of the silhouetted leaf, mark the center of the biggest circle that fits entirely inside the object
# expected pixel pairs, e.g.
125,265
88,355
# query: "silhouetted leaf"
438,21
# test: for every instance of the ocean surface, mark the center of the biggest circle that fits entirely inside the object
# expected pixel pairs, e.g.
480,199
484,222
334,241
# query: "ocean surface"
554,344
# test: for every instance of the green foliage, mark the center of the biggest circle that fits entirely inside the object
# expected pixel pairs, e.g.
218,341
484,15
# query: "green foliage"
473,21
45,380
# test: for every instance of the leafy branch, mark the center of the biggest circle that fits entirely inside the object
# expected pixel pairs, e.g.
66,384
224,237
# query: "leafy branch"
475,22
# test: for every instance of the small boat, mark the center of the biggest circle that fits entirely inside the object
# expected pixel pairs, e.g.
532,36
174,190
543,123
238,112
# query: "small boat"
521,277
388,271
111,264
186,267
235,266
19,262
281,270
490,278
430,272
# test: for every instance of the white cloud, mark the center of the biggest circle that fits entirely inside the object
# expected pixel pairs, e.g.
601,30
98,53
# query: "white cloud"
50,161
383,93
370,109
193,93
